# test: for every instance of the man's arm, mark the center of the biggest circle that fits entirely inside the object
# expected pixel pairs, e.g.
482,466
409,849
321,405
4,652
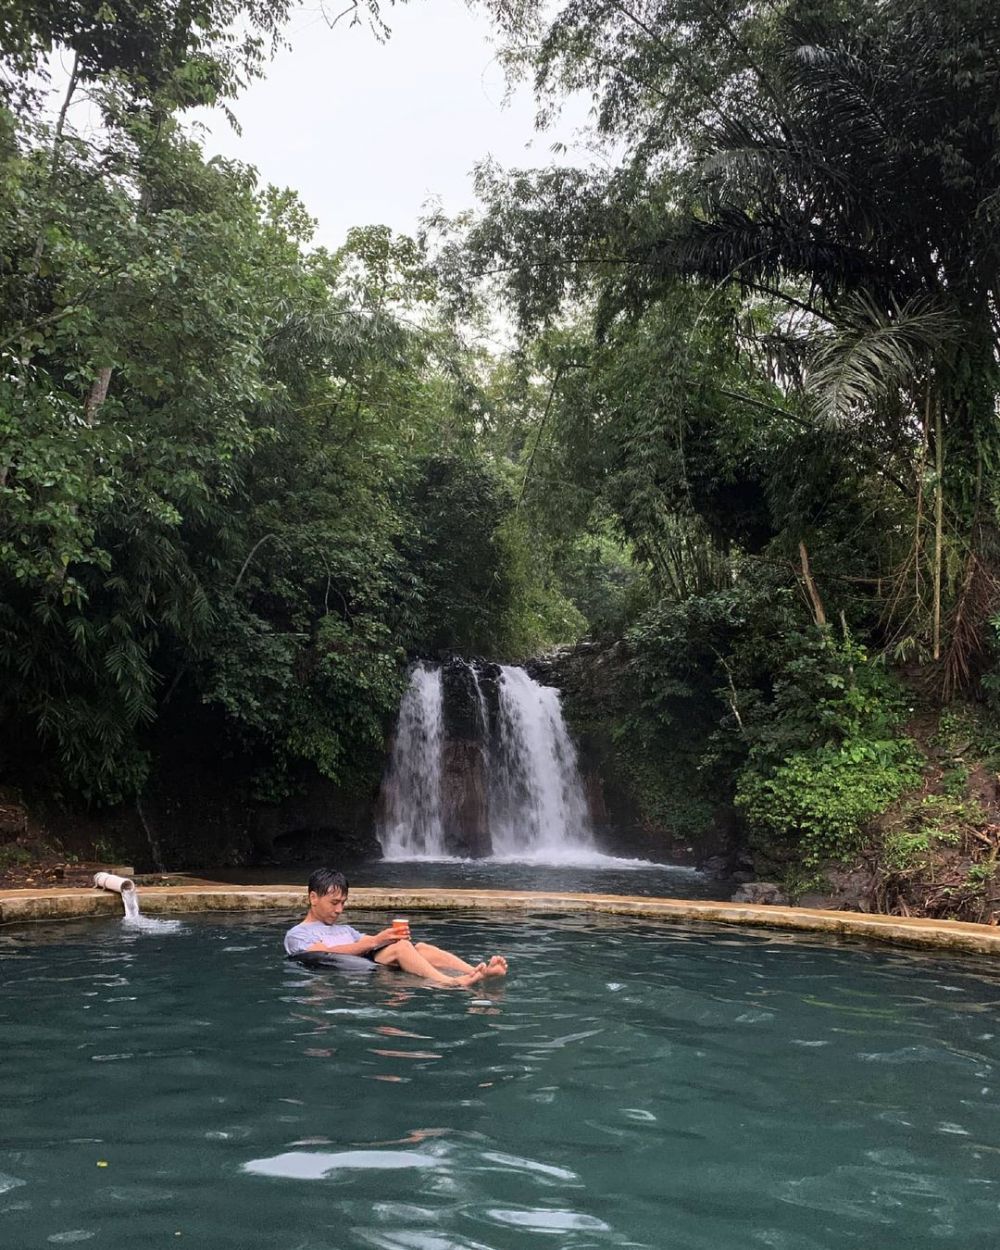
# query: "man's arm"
365,943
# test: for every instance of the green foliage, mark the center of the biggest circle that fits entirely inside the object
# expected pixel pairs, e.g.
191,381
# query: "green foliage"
923,826
240,478
600,579
185,58
819,184
539,612
671,798
983,874
820,800
458,507
801,879
972,729
985,731
905,850
826,756
954,782
14,856
676,734
708,659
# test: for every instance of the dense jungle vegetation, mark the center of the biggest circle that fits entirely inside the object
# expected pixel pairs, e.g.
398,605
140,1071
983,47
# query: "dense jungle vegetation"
745,437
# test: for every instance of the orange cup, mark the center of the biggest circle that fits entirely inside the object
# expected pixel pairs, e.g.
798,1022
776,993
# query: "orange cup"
401,927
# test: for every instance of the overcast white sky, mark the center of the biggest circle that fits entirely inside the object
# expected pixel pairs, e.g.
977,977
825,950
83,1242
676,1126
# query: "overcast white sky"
368,132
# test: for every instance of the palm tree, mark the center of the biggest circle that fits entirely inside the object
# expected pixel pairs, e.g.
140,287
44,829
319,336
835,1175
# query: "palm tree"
866,195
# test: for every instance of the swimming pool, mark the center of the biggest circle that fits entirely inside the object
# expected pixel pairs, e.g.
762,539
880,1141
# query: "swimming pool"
632,1086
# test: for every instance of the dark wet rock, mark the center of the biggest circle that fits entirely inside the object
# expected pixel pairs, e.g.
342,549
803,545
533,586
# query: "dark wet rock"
464,814
469,698
324,846
717,867
320,822
760,892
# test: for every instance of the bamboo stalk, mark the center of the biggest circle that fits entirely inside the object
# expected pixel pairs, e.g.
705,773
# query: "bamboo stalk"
918,522
938,527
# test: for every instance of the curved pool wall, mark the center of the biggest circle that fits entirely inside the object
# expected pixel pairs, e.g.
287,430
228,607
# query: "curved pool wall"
21,906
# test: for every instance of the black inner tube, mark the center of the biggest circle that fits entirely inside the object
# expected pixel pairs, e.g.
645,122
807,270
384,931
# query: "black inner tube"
326,959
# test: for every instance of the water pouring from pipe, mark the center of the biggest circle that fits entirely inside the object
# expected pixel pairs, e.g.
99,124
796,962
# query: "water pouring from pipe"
126,887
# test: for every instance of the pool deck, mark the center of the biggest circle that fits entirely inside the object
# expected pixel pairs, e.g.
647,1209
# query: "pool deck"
26,905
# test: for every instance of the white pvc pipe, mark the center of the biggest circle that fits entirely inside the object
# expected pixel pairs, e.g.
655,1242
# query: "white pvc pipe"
108,881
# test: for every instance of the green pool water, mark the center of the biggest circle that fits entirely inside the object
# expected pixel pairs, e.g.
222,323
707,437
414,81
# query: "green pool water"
630,1086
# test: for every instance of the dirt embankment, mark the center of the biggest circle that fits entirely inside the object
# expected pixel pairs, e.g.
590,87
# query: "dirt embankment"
936,851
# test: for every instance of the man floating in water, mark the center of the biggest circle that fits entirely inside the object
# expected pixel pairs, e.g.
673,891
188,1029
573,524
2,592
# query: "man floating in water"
320,931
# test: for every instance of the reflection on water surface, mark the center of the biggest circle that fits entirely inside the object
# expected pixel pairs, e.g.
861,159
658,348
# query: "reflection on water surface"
593,874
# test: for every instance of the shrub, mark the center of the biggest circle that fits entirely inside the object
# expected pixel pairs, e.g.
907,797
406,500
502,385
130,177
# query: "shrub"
14,856
907,850
822,798
826,756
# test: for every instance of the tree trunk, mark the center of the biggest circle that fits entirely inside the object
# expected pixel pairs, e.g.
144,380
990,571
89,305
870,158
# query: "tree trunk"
98,394
819,615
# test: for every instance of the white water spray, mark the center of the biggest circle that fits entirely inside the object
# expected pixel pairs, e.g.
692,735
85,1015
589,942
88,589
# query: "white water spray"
481,712
537,805
125,886
411,826
536,809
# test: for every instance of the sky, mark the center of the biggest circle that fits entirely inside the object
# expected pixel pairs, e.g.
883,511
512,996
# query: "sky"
369,132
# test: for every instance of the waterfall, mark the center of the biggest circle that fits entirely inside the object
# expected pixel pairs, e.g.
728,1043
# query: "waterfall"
537,804
497,760
411,825
481,711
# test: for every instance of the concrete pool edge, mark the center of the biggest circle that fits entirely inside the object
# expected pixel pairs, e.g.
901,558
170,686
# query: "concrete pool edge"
23,906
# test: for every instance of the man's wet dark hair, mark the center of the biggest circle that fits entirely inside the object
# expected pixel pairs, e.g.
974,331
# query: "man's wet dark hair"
323,880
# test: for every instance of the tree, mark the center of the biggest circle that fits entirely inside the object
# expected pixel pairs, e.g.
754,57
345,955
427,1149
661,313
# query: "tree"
837,165
189,51
200,483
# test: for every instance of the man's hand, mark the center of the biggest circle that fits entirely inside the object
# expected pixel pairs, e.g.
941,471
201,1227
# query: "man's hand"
388,936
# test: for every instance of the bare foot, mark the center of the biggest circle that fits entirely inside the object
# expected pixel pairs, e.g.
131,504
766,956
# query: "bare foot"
470,978
497,967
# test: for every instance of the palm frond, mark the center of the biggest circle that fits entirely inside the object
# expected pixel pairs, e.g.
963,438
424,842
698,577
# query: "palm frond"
873,351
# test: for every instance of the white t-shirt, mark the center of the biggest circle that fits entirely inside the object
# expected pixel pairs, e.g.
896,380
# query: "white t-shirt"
307,934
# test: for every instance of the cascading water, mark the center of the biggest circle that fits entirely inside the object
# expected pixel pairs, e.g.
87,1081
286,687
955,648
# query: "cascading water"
537,804
411,825
482,714
130,901
519,782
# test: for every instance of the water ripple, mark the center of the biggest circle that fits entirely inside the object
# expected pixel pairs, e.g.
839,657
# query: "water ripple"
318,1165
629,1086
